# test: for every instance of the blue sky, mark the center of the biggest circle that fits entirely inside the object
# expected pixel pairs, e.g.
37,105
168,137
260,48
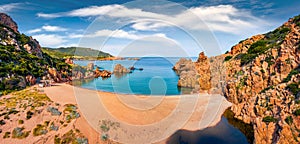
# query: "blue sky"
145,28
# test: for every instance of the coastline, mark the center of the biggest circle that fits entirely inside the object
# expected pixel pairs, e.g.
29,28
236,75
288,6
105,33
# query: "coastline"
143,119
137,110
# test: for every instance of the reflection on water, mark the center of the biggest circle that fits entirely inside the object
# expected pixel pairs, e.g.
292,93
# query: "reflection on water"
246,129
225,132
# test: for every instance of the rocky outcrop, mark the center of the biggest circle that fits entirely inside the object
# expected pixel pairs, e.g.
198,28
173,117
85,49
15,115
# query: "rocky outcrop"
261,77
259,89
9,35
120,69
244,45
102,73
9,22
69,61
203,69
90,66
33,47
25,64
188,76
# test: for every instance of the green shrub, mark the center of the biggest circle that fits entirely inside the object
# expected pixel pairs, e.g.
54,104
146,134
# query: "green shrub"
6,135
266,89
2,122
56,139
297,112
29,115
227,58
293,72
289,120
39,130
258,47
19,133
247,58
23,38
293,88
269,60
269,119
20,121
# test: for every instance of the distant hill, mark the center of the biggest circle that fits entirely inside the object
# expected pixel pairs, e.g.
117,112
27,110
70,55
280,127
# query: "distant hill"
76,52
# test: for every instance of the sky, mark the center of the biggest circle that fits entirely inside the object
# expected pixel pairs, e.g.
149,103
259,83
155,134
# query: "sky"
148,27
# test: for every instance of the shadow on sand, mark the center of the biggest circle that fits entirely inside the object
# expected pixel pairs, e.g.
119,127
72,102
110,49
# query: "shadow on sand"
222,133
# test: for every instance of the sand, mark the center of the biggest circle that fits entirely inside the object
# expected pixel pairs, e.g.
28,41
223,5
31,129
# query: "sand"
142,119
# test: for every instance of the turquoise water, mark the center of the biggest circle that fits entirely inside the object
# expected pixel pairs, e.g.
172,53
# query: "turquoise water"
156,78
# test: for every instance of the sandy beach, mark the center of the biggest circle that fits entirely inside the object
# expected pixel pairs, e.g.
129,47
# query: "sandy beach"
142,119
132,119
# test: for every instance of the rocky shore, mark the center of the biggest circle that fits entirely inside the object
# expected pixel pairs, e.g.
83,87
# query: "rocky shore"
261,77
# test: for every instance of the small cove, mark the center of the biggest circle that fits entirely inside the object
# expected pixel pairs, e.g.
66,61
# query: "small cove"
158,78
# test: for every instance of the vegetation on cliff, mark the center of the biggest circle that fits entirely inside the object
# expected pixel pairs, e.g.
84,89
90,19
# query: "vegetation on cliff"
260,76
76,53
263,82
21,58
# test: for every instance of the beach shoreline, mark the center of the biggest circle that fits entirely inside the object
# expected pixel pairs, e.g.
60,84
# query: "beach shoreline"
142,119
142,109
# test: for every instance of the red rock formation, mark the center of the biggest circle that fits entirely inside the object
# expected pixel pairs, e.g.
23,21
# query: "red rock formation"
203,69
102,73
9,22
69,61
258,89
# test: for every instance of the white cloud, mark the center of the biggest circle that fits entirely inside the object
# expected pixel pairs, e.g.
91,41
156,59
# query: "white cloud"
148,26
49,40
223,18
74,35
47,28
8,7
53,28
34,30
94,10
48,15
130,35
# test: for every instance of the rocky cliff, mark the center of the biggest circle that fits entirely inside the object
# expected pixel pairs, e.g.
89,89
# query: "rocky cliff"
22,62
263,83
8,21
261,77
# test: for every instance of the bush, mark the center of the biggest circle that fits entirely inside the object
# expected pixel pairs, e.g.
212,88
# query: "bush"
293,72
247,58
289,120
297,112
21,122
258,47
269,119
39,130
54,111
6,135
269,60
266,89
18,133
293,88
29,115
2,122
227,58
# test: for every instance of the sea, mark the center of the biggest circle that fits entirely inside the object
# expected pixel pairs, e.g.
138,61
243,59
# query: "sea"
158,78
